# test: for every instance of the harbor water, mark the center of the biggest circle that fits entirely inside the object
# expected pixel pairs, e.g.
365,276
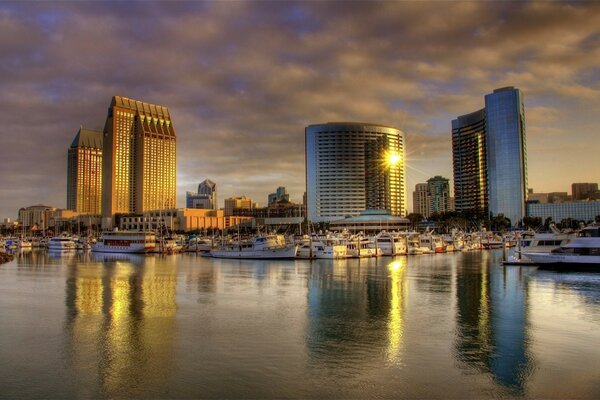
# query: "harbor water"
456,325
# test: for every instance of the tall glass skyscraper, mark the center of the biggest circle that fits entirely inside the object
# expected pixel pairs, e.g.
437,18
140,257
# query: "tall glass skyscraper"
490,156
352,167
139,165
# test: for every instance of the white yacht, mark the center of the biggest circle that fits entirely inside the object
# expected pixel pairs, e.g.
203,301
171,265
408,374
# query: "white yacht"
581,252
61,243
390,244
538,243
313,247
125,242
260,247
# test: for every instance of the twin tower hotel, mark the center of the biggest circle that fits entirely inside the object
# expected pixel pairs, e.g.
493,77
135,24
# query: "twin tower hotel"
130,167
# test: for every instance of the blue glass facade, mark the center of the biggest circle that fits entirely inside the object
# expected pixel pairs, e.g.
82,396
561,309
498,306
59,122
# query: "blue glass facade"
506,153
490,157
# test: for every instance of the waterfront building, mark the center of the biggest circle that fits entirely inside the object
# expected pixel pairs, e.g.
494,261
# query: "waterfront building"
232,203
181,220
352,167
420,200
280,194
35,217
139,164
370,222
205,198
585,211
584,191
490,157
438,195
84,172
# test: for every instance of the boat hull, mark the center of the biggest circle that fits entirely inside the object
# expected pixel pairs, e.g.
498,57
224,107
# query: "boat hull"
121,250
279,254
564,262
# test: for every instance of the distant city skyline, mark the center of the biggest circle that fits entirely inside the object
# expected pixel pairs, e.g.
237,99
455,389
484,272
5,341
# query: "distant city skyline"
241,109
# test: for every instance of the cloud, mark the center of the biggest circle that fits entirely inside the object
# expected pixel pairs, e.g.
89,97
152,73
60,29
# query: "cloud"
243,79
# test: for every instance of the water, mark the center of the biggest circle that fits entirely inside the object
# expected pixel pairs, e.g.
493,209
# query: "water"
440,326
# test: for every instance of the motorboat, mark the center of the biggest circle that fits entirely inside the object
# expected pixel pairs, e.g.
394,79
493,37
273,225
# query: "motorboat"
61,243
580,253
542,243
259,247
313,247
125,242
389,244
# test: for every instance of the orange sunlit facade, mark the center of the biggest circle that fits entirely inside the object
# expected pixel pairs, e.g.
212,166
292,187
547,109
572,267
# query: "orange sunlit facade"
84,175
140,159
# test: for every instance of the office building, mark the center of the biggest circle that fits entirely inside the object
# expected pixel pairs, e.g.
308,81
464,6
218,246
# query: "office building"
420,200
353,167
438,193
206,197
584,191
84,172
490,157
280,194
139,164
236,202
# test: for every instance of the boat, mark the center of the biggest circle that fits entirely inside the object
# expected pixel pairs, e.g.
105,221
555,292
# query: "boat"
125,242
581,253
61,243
25,244
259,247
390,244
542,243
313,247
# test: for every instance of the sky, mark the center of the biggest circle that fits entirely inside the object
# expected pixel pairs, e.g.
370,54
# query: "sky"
243,79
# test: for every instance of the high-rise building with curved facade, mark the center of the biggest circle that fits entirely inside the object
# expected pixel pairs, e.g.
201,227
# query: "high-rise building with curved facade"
352,167
490,157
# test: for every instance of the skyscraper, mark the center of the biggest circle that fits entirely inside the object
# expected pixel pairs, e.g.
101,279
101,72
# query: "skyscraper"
84,172
206,197
139,169
421,200
352,167
280,194
490,156
438,195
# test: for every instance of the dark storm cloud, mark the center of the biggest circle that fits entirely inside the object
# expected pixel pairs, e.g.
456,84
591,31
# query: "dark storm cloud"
243,79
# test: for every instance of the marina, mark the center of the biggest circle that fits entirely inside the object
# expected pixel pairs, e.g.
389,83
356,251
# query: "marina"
449,325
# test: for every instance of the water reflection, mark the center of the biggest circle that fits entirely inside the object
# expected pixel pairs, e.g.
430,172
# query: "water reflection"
120,324
356,312
492,322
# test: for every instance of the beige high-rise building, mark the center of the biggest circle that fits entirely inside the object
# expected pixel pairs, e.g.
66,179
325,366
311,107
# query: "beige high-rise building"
84,172
139,168
421,200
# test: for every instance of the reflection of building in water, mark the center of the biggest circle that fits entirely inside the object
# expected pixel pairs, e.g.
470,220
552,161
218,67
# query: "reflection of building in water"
352,303
491,323
121,324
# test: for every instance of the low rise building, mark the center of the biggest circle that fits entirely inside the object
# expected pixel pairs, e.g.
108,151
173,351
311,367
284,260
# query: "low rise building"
585,211
371,221
180,220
